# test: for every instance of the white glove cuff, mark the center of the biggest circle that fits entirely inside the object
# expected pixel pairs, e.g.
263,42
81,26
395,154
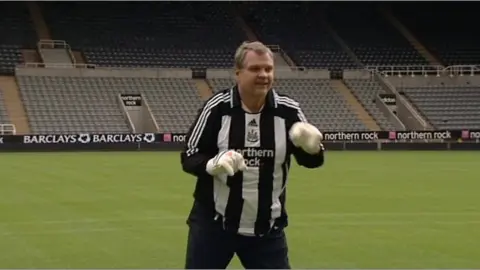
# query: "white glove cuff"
210,165
212,162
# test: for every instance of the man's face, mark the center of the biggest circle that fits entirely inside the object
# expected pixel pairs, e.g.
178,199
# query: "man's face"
256,76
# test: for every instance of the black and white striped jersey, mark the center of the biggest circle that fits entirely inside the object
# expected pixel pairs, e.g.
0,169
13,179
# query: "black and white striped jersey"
253,201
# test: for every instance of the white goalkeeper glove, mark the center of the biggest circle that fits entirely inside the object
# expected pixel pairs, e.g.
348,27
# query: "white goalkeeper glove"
307,137
226,162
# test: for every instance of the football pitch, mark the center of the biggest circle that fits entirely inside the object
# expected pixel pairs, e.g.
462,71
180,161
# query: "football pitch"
128,210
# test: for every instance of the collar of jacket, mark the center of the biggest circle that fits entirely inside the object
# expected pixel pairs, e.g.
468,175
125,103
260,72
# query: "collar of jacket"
236,101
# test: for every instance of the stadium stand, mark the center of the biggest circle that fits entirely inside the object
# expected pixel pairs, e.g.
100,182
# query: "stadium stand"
219,84
449,106
174,102
447,103
4,119
205,35
16,32
10,55
365,90
147,34
302,36
373,40
448,30
322,105
73,104
70,104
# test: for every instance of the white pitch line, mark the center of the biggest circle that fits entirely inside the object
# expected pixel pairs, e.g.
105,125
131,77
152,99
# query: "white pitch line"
299,216
381,223
388,214
301,224
90,220
78,231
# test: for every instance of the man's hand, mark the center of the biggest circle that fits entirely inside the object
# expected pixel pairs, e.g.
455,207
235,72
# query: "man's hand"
307,137
226,162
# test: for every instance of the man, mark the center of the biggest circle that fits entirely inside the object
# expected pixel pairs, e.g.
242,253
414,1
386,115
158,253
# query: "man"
239,149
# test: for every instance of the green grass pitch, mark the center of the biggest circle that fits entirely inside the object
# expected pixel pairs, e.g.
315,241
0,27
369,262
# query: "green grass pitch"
128,210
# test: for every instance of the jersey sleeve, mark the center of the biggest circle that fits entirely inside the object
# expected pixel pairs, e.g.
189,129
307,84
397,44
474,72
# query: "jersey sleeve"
200,140
303,158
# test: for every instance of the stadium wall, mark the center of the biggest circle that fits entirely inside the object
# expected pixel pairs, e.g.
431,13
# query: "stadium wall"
373,141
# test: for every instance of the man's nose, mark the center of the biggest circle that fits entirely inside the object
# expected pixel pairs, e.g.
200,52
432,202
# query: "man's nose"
262,74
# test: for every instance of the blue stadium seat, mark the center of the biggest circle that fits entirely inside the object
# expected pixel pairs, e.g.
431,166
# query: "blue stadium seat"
147,34
297,30
373,40
16,32
448,30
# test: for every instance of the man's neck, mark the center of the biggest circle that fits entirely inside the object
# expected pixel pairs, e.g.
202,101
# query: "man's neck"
252,104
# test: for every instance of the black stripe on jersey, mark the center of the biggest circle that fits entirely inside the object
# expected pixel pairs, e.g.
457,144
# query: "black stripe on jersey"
283,196
236,140
266,170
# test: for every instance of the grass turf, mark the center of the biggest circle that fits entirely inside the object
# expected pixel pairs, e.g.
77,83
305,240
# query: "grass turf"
128,210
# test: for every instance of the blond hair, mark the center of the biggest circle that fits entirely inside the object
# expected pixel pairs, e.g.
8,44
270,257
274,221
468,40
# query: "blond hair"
247,46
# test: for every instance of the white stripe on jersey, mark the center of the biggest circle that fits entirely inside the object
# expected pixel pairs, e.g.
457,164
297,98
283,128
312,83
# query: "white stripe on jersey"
192,143
286,101
251,177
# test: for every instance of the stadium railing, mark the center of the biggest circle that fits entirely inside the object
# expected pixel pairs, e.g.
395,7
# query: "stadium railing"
54,65
433,70
405,111
8,129
285,56
55,44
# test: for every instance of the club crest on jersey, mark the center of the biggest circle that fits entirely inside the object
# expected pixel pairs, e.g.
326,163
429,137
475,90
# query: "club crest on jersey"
252,136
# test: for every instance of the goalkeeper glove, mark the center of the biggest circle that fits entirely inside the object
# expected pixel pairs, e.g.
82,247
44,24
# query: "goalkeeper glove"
226,162
307,137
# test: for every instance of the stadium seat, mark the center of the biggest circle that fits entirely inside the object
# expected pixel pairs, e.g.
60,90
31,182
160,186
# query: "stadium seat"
160,58
448,106
174,102
16,32
4,119
205,35
366,90
322,105
147,34
90,104
301,35
448,31
72,104
373,40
